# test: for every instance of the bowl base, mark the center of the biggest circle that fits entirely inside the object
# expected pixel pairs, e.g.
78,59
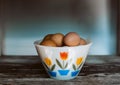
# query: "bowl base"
69,78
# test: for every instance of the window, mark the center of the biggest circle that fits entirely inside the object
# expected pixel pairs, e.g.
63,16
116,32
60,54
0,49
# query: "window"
25,21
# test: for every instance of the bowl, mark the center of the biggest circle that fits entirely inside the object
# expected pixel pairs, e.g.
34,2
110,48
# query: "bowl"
63,63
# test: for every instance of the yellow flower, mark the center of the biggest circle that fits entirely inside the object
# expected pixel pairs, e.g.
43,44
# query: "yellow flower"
48,61
63,55
79,60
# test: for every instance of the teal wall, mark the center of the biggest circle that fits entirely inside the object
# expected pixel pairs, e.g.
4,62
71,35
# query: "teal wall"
20,35
26,22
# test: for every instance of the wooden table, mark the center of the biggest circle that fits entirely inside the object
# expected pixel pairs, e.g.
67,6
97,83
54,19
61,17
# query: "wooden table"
28,70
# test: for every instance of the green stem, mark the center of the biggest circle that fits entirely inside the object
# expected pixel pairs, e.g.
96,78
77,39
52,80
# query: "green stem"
63,64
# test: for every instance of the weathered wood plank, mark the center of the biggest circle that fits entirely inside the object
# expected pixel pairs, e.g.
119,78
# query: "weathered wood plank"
93,79
32,65
100,70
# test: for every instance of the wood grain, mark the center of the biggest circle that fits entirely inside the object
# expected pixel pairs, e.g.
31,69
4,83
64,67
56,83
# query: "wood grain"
102,70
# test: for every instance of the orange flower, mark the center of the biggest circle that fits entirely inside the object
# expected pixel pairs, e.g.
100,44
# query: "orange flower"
79,60
63,55
48,61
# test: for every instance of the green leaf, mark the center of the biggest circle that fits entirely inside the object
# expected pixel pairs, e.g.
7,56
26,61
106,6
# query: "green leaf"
53,67
66,65
74,67
79,66
59,64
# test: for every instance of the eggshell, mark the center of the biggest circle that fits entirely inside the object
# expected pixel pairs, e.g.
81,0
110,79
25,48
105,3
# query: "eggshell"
58,39
82,41
48,42
71,39
48,36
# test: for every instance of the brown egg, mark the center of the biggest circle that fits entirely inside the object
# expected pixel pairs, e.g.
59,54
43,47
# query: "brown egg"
71,39
48,36
58,39
82,41
48,42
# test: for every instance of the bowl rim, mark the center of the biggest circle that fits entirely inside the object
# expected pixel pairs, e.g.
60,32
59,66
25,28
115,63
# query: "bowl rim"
36,43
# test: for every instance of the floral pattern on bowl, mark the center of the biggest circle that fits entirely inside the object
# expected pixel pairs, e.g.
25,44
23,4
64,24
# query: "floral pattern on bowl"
62,63
49,66
77,66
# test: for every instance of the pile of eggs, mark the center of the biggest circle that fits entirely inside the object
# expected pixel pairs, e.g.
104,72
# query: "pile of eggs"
59,40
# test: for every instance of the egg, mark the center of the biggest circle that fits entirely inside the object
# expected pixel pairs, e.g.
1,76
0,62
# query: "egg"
71,39
48,36
57,38
48,42
82,41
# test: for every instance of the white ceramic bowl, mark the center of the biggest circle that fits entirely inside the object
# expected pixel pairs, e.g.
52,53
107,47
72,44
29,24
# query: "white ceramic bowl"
62,63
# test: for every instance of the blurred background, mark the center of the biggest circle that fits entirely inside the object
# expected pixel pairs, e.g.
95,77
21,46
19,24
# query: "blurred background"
24,21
